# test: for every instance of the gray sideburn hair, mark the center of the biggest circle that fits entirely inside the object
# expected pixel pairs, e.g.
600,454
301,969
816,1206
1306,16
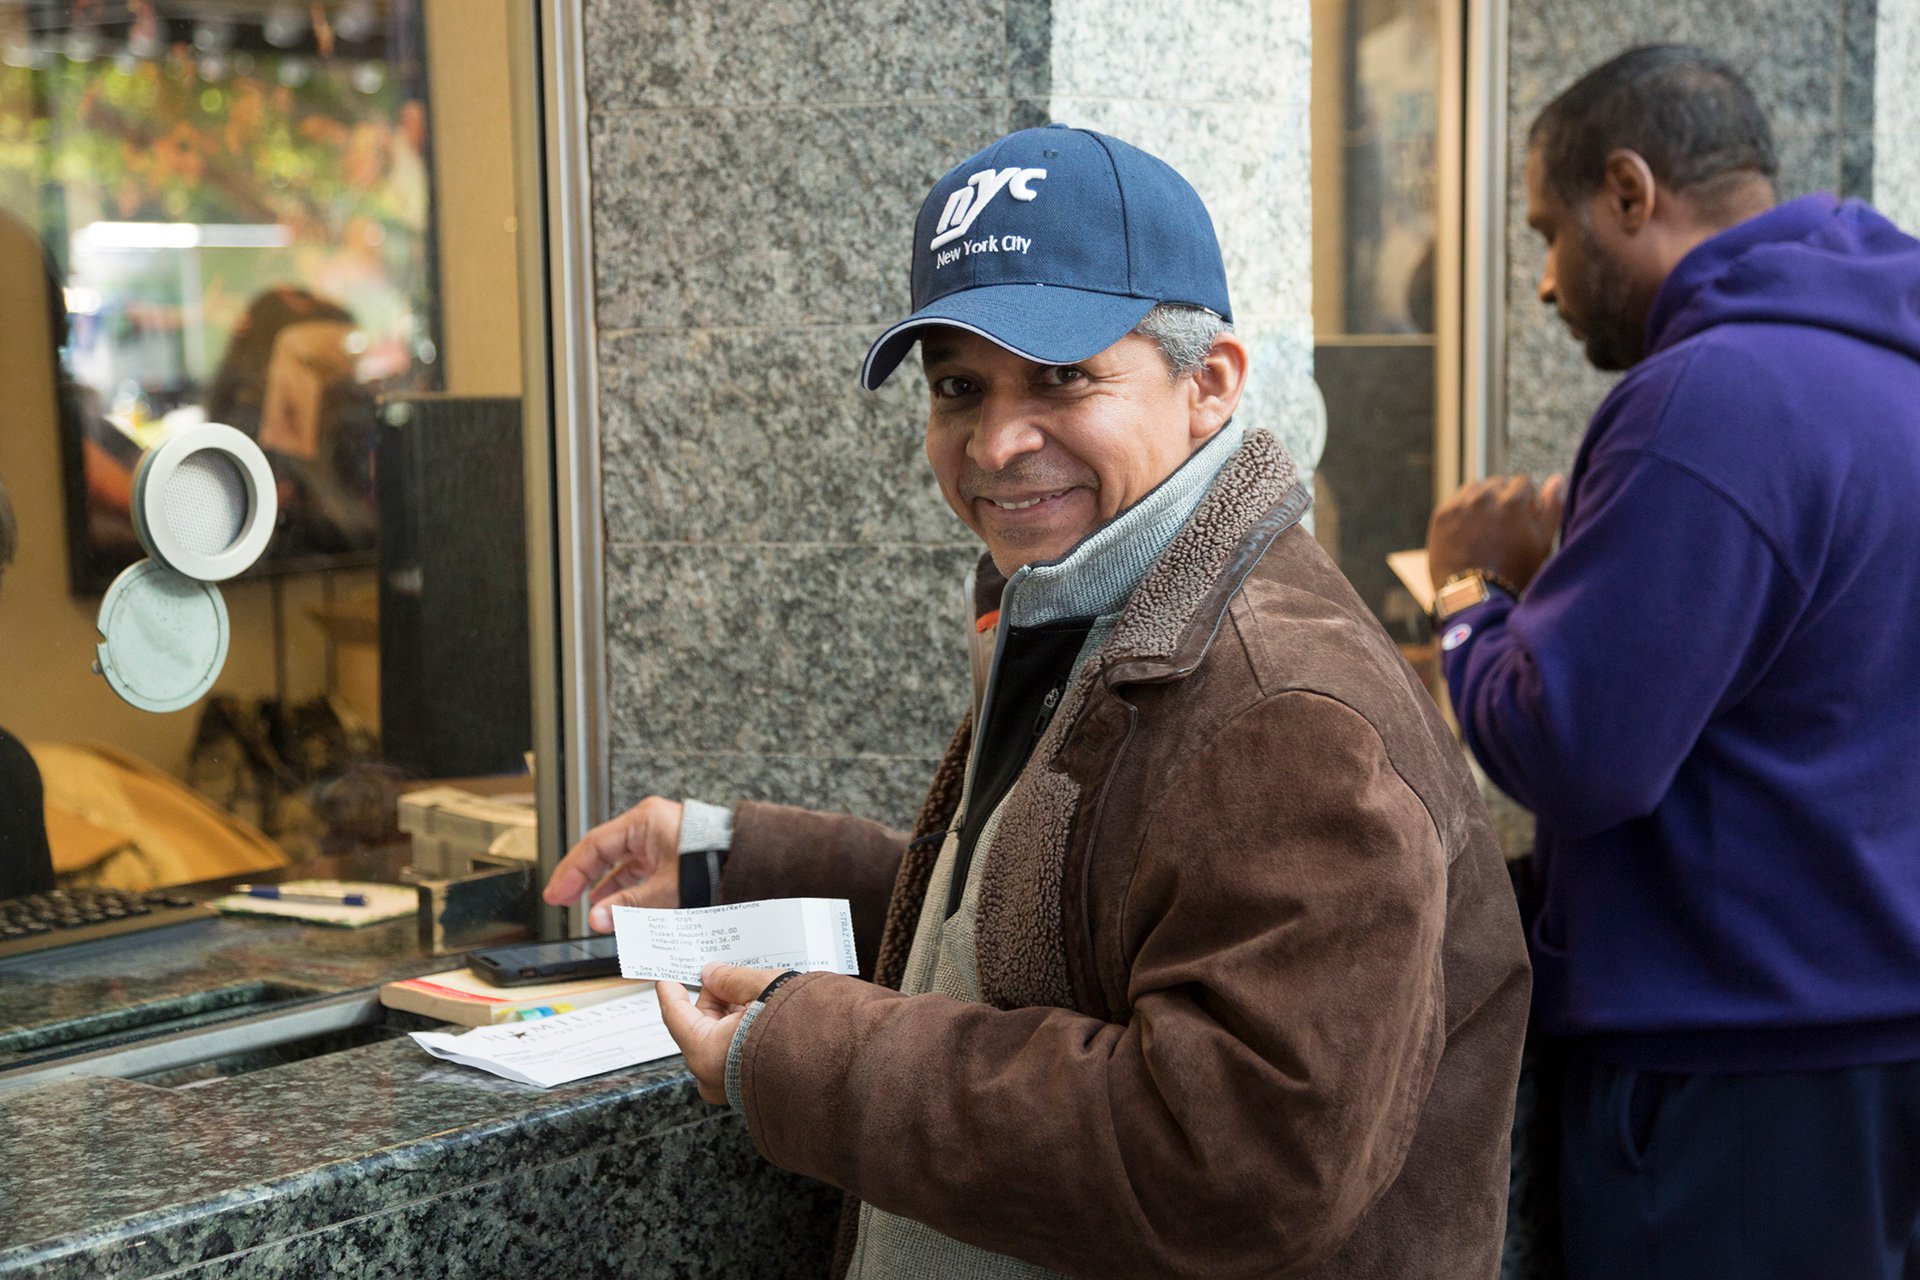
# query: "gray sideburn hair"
1184,334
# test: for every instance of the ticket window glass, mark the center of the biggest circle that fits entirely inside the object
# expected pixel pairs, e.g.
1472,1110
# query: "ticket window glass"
298,219
1386,160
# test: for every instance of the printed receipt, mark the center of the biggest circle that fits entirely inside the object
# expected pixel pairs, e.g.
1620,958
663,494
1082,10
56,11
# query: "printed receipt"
564,1048
808,934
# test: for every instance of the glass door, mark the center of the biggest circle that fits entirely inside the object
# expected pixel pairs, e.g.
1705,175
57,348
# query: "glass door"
1400,345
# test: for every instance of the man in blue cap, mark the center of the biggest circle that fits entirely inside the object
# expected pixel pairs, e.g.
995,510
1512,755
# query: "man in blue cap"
1201,959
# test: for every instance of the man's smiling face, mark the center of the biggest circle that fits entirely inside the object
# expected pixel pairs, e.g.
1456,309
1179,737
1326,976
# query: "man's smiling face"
1035,457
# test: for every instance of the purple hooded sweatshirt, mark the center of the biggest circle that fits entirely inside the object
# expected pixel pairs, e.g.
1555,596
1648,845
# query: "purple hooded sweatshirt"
1710,697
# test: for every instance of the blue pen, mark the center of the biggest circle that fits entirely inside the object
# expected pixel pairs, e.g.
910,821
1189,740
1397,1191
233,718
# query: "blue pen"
318,899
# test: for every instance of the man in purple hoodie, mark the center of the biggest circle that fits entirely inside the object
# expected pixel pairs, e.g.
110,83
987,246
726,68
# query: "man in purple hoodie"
1709,696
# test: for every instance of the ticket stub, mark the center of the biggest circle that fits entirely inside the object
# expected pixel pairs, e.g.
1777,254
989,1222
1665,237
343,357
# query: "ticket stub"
808,934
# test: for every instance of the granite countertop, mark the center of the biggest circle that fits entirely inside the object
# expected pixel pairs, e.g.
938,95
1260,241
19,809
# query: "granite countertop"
115,1177
165,979
108,1176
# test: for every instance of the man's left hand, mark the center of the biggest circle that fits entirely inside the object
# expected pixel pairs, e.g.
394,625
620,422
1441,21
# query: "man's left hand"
704,1030
1503,524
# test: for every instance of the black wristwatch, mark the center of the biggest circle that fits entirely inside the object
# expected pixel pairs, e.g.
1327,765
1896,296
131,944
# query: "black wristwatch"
1464,590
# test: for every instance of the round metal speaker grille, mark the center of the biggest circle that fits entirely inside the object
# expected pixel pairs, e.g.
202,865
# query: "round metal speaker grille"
163,637
206,502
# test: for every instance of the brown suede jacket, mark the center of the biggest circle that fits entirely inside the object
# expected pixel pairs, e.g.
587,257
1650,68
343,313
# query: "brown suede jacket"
1255,979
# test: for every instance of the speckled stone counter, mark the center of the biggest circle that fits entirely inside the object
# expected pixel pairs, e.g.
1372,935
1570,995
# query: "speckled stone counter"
371,1160
167,979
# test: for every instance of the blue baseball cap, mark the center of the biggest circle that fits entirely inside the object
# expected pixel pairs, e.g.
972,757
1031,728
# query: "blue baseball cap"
1054,243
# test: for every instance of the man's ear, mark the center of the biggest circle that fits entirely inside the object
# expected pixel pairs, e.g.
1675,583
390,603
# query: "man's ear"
1216,387
1627,190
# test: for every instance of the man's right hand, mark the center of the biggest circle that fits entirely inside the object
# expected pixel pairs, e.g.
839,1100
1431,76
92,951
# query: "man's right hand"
631,861
1504,525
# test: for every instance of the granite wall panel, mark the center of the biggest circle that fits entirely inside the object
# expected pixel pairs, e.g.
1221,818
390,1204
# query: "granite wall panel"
784,611
675,53
1896,119
1029,57
787,649
1542,443
1226,102
1791,50
1804,63
786,216
755,435
886,788
1196,51
1859,27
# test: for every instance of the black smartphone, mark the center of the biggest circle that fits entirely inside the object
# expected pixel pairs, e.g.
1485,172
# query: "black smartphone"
532,962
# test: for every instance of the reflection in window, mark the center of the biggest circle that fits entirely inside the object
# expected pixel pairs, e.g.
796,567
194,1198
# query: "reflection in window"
240,211
238,205
1376,112
1390,130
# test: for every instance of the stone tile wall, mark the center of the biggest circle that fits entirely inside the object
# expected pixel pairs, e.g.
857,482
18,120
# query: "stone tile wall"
784,614
1896,112
1220,90
1812,66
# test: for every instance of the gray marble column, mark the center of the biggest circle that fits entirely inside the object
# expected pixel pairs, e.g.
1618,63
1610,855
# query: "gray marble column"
784,608
1219,90
1896,112
1813,67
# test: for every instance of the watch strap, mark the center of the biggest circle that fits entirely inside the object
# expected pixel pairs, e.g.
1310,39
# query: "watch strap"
1463,590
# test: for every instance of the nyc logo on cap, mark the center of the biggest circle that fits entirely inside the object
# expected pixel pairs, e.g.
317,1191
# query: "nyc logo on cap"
965,206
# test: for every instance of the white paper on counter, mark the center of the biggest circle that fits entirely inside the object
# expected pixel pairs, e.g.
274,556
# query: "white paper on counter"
563,1048
384,902
808,934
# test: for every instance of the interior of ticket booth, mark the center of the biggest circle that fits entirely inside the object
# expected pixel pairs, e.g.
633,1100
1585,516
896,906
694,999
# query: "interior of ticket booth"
302,220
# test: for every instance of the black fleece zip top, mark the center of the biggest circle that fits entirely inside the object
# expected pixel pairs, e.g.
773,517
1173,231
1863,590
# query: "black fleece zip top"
1034,665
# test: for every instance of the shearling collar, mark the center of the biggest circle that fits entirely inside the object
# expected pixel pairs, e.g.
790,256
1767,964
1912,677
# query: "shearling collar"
1242,488
1176,610
1098,575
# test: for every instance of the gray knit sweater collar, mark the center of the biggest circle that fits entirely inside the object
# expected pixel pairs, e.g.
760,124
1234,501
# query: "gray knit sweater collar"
1096,577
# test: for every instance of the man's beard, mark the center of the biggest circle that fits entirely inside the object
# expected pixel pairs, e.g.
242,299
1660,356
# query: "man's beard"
1616,325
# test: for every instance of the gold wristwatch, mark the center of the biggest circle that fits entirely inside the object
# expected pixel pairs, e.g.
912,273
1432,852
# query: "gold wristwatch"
1465,589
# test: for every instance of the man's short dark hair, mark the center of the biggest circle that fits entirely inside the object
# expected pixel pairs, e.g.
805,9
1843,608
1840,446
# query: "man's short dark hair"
1689,115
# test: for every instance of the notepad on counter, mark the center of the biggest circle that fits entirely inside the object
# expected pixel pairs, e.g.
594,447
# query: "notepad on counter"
459,995
564,1048
382,902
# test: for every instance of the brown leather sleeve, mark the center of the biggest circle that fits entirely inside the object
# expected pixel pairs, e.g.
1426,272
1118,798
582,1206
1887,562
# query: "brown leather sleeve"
782,852
1288,1015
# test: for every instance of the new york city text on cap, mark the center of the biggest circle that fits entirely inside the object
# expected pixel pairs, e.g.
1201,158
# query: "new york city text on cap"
1054,243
